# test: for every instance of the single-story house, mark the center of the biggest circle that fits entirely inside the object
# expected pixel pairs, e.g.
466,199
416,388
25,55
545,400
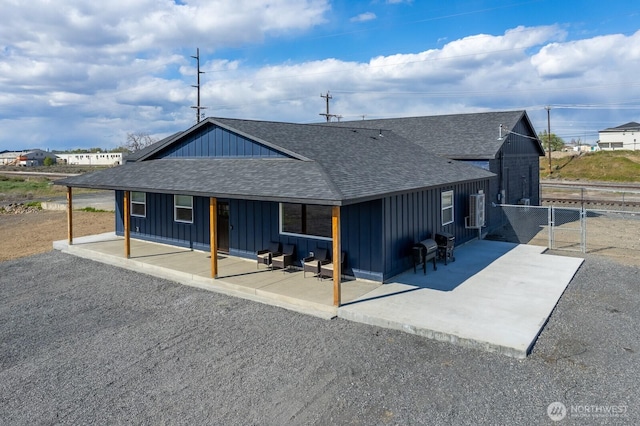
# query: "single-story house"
622,137
503,142
235,186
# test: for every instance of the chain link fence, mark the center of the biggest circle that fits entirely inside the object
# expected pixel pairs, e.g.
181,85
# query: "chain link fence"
614,233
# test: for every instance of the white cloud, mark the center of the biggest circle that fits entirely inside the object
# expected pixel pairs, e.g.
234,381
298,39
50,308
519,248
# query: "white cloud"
363,17
87,73
581,57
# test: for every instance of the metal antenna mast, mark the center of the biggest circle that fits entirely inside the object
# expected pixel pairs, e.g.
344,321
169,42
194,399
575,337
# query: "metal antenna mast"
198,107
326,114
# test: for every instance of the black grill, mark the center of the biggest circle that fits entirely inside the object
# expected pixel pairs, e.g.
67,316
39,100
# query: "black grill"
446,242
423,252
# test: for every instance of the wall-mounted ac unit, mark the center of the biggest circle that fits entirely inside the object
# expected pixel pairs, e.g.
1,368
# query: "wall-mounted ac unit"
476,211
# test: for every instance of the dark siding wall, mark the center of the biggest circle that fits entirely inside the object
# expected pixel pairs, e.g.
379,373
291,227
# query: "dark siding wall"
159,226
256,223
494,215
213,141
377,235
521,165
412,217
362,239
253,224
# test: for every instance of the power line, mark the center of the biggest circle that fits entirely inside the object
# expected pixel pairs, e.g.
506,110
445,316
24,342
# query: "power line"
197,107
328,116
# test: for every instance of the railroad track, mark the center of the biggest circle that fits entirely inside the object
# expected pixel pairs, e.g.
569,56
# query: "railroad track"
589,202
628,186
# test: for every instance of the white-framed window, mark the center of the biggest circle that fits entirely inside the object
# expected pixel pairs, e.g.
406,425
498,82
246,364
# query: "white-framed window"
139,204
446,202
183,208
305,220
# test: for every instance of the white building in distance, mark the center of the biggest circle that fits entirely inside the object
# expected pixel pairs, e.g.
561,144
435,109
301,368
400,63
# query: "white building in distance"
626,136
91,158
29,157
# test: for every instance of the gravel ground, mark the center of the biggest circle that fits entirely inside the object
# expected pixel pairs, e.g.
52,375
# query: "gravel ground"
82,342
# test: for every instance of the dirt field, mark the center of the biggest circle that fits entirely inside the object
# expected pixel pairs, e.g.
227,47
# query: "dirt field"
30,233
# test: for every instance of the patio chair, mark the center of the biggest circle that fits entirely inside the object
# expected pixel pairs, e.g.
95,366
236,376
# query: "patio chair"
326,270
286,259
313,263
264,256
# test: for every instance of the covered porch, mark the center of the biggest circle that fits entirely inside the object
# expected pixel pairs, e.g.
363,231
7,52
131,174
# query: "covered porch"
237,276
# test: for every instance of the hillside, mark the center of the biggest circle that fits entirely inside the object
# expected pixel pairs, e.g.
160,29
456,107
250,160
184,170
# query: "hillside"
606,166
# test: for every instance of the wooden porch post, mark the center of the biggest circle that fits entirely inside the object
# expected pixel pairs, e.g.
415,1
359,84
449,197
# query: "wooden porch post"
337,252
213,235
69,215
127,226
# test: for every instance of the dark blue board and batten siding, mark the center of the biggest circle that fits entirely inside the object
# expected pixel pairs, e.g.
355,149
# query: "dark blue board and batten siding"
159,224
412,217
377,235
215,142
256,223
517,169
253,224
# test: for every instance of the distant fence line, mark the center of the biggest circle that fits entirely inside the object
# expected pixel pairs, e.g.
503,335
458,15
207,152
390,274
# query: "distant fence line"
600,197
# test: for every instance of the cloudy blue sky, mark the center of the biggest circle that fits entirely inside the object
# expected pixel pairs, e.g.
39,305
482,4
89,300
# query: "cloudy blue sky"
78,74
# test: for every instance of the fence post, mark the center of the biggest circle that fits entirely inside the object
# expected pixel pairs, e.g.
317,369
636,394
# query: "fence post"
583,228
550,221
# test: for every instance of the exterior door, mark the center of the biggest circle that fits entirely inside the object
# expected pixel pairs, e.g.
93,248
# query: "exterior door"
223,226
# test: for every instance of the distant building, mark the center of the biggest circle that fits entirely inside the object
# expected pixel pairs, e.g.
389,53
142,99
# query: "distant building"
621,137
586,148
31,157
91,158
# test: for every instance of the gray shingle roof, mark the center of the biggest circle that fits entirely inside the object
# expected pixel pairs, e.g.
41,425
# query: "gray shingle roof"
460,136
632,125
245,178
333,166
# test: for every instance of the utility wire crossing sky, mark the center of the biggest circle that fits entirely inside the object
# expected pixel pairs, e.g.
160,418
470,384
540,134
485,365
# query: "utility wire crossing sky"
77,74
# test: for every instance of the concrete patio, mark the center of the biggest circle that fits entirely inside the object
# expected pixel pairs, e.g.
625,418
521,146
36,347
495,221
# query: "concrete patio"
236,276
496,296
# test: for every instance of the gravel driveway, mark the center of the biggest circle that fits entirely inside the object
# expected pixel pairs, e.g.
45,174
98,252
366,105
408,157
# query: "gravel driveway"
82,342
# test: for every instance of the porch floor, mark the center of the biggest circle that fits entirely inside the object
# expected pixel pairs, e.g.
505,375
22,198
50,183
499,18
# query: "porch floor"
236,276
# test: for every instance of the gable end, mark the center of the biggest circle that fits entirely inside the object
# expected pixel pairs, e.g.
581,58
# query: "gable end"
215,142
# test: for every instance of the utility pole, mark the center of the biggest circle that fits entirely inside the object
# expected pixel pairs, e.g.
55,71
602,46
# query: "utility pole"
198,107
326,114
548,108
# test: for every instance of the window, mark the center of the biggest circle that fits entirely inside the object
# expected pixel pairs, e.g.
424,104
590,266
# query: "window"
183,208
138,204
305,219
446,201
